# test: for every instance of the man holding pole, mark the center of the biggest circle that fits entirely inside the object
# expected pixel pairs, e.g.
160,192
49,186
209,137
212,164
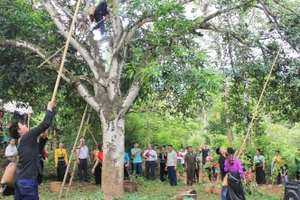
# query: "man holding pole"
26,186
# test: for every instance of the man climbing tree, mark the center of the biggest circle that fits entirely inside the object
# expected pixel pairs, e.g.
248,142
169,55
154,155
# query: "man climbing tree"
100,16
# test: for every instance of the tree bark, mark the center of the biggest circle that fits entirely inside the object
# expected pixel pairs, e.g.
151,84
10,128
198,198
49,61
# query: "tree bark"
113,161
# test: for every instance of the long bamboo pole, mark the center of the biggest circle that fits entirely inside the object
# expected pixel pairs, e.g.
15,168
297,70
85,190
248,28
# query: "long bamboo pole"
65,51
74,146
260,98
75,164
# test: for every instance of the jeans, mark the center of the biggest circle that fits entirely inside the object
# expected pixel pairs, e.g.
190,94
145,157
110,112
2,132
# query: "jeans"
26,189
83,166
172,175
137,168
223,193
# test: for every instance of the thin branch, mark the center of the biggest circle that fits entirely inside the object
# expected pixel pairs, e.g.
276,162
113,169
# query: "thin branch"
289,9
218,13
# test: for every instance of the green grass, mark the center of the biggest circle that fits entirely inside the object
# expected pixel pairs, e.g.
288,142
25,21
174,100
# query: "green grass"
154,190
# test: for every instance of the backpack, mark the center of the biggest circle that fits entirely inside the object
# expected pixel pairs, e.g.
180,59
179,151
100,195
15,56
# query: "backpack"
91,13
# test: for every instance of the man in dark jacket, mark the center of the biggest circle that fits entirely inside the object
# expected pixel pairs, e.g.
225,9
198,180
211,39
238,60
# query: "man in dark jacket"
25,182
100,16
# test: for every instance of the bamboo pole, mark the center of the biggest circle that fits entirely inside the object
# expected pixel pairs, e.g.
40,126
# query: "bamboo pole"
74,146
65,51
50,57
92,136
260,98
75,164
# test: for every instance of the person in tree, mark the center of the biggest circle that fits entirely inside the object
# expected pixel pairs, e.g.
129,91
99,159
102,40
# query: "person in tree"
235,172
26,186
220,151
297,162
190,165
276,164
171,165
100,14
284,169
83,159
162,162
98,164
61,161
136,154
42,154
150,156
259,166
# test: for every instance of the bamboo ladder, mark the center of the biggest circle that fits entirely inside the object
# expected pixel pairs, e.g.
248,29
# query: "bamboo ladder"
74,152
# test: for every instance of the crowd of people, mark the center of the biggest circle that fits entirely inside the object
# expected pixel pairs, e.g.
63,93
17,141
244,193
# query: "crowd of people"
233,166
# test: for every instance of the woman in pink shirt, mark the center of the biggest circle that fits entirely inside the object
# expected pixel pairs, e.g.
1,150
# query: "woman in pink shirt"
235,173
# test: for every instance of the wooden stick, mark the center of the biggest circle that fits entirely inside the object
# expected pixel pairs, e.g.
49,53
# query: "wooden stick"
50,57
260,98
65,51
75,164
92,136
70,158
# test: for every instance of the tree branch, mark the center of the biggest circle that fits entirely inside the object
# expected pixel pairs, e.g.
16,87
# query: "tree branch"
66,75
83,52
132,94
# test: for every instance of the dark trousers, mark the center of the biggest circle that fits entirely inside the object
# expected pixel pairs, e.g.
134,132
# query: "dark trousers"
99,25
126,173
61,170
83,166
197,174
98,171
26,189
163,172
172,175
40,174
150,165
137,168
190,175
260,175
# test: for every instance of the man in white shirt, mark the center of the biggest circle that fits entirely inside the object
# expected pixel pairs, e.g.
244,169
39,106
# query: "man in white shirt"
171,165
82,161
151,157
11,150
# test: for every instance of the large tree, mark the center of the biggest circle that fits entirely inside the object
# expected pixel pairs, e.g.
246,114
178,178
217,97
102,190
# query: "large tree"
152,44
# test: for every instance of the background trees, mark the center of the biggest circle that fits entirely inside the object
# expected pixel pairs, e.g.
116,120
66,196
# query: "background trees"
182,69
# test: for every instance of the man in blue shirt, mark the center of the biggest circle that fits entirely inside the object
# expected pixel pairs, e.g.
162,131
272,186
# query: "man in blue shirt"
136,154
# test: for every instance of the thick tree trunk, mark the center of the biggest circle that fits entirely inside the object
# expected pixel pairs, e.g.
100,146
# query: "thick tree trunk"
113,163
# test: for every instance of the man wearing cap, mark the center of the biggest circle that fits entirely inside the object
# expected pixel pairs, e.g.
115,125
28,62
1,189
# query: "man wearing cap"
190,165
82,161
